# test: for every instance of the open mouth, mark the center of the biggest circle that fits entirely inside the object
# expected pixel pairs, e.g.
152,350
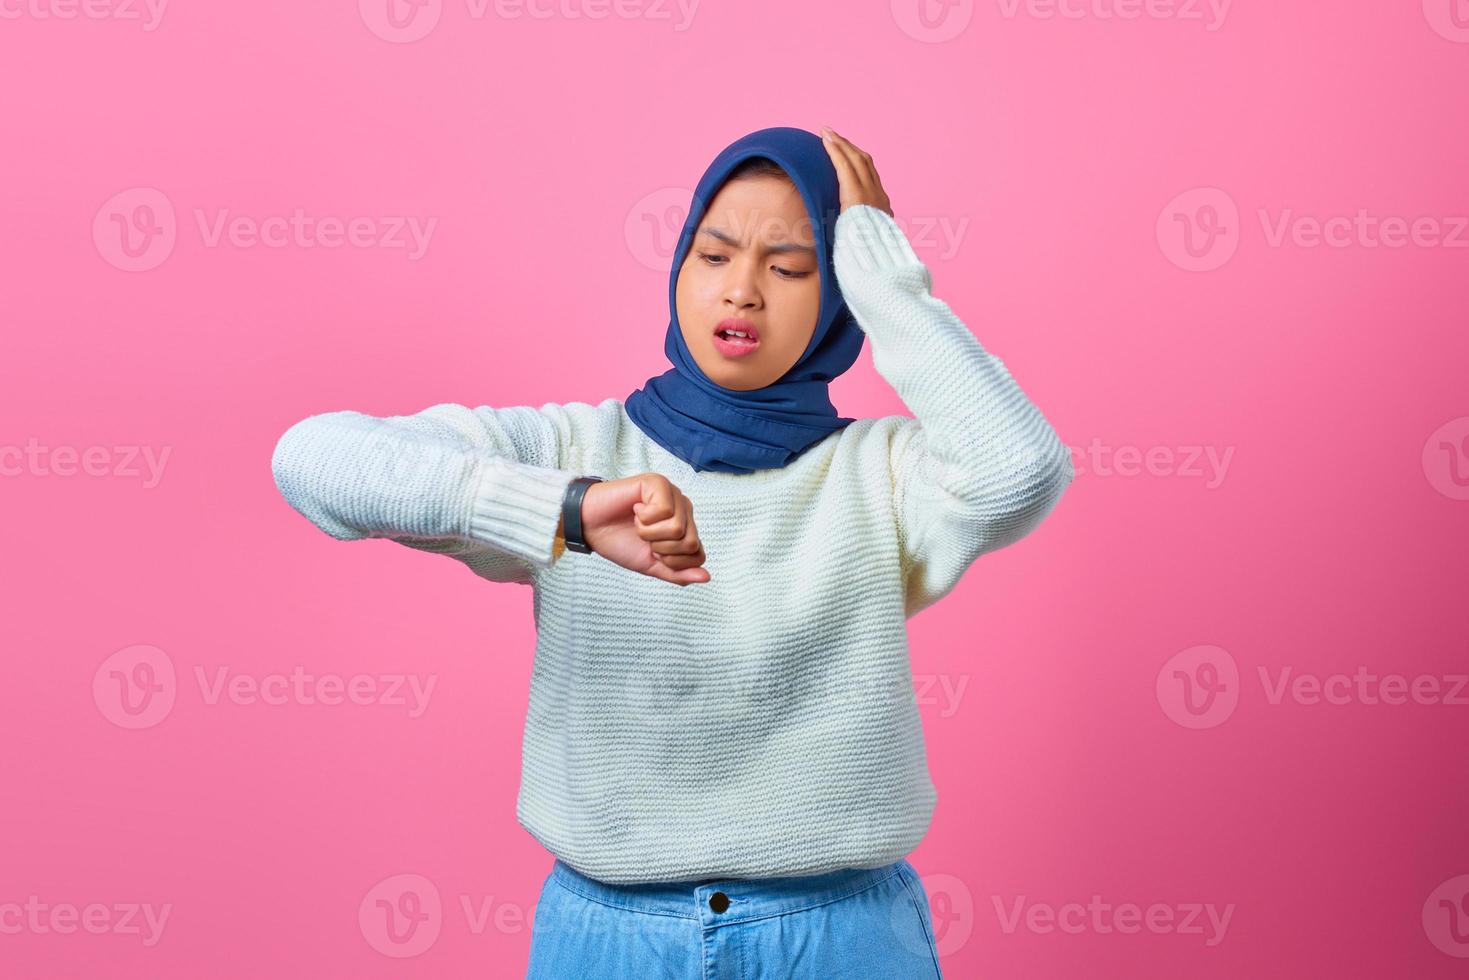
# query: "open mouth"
736,338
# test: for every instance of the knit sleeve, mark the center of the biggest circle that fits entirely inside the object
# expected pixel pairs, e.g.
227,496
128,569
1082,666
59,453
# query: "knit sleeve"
482,485
979,467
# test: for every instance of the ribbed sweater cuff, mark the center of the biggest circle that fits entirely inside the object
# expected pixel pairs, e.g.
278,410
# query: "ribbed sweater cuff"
517,507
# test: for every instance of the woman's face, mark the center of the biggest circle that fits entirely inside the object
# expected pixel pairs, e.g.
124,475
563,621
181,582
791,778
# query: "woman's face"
753,261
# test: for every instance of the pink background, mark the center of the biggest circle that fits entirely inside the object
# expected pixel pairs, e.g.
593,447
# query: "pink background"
1081,161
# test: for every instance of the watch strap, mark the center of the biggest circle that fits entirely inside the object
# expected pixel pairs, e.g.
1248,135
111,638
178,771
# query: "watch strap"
572,530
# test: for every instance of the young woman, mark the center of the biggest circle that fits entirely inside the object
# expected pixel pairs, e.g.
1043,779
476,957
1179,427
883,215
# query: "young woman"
728,776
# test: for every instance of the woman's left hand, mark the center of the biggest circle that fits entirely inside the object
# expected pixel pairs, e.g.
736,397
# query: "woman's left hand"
856,176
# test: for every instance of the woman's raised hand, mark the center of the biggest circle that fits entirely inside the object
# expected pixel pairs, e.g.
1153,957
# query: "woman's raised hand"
857,178
644,523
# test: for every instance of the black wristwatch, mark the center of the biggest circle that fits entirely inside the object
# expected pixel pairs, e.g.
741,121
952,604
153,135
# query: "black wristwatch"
571,514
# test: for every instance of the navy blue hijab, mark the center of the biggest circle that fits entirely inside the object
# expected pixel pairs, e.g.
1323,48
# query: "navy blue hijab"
711,427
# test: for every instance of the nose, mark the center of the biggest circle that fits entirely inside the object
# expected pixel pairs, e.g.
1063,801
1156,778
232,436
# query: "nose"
741,292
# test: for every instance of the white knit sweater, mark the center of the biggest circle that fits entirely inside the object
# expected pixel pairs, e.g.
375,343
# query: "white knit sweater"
763,723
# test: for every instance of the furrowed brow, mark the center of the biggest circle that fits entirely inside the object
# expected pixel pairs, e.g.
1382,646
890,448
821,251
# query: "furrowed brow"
781,248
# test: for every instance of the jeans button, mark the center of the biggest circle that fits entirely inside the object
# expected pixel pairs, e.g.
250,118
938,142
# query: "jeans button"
719,901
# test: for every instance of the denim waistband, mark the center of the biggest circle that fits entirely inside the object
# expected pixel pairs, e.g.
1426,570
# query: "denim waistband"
748,898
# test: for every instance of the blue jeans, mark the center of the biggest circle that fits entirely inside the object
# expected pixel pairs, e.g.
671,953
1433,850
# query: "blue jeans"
852,923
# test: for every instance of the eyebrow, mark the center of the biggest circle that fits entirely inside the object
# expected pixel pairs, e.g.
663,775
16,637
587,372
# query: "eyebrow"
728,239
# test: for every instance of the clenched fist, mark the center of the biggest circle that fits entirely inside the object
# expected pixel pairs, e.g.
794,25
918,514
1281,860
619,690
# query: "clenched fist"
645,524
